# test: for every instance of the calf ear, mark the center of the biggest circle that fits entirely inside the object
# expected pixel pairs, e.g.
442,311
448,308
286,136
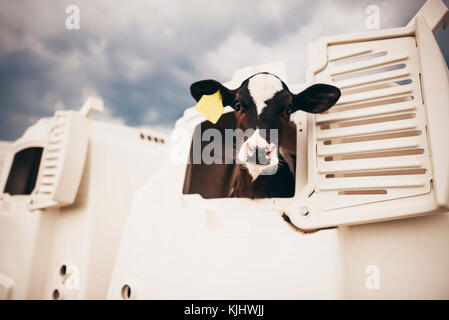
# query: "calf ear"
199,88
315,99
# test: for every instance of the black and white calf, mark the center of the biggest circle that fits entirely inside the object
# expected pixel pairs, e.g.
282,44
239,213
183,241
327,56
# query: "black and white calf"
264,102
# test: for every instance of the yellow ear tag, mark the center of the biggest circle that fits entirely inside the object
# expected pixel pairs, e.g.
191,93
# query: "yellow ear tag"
211,106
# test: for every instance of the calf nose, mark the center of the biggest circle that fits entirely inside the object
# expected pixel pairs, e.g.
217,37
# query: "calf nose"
259,156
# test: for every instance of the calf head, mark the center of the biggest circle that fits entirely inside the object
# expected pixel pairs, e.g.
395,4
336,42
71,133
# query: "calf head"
262,103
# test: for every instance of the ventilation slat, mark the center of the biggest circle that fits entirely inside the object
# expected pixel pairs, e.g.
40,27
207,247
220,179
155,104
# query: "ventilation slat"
46,189
337,70
364,112
52,154
48,180
43,195
367,146
373,182
413,161
58,131
366,129
375,94
55,141
50,157
49,171
372,78
50,164
53,148
55,135
345,54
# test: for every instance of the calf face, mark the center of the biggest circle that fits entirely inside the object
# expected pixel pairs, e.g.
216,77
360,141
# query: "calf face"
262,103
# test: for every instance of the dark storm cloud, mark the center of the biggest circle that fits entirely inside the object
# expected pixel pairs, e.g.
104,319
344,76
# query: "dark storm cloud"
135,61
141,56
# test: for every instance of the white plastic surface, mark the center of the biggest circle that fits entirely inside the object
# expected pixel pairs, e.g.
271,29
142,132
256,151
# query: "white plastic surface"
85,234
381,149
62,161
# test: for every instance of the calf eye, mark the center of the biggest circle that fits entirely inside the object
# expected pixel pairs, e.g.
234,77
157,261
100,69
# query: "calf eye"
237,106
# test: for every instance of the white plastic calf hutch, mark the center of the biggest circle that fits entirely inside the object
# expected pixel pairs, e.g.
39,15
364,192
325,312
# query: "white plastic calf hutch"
67,186
379,154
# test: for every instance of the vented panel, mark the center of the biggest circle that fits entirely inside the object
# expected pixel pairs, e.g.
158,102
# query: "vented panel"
52,160
372,145
62,162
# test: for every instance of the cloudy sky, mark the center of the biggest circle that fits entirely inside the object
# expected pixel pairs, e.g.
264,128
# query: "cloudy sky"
142,56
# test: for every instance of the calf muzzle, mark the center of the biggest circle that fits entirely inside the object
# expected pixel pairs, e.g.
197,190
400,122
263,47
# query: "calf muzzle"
259,157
